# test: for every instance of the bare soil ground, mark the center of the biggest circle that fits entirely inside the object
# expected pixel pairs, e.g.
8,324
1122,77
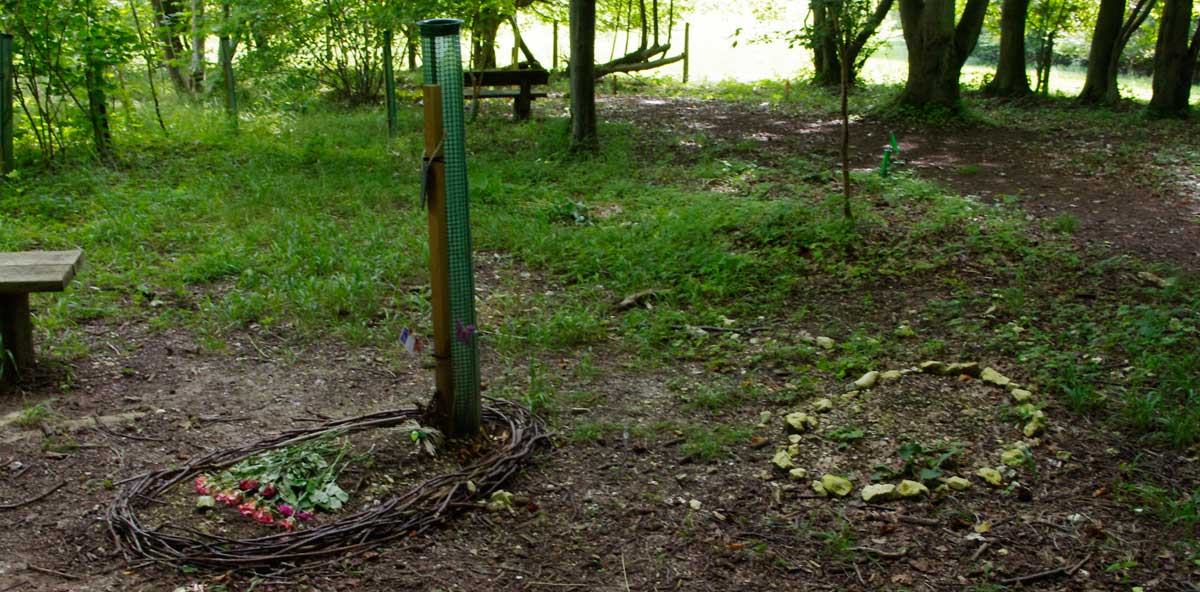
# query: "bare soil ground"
631,507
1127,202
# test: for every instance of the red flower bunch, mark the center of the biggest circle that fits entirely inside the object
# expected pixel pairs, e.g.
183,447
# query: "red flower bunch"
263,516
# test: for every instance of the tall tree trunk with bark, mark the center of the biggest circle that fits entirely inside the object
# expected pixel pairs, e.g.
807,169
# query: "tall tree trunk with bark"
167,16
583,80
827,68
199,46
1104,40
1174,60
826,61
412,42
937,50
483,38
1111,35
1011,79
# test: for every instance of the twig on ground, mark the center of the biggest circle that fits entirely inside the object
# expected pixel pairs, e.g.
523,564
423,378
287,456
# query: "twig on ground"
100,426
53,572
979,551
637,298
880,552
714,329
1048,573
31,500
624,573
220,419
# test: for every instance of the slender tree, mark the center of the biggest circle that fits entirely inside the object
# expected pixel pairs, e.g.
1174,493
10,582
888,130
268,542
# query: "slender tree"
1011,79
196,66
937,49
168,15
583,81
1174,60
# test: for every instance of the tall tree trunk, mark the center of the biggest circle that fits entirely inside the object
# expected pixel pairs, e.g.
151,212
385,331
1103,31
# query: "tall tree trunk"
1174,60
483,38
1100,56
1011,79
827,68
826,61
1109,38
583,81
411,37
199,46
98,110
167,14
1045,61
937,49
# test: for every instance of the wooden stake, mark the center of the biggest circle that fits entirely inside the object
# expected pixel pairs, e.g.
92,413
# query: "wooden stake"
554,51
687,55
439,262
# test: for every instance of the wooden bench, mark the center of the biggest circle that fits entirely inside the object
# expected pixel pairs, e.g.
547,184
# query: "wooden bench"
20,275
522,96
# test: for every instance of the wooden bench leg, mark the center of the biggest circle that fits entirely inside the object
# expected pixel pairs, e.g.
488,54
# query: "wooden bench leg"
16,335
521,104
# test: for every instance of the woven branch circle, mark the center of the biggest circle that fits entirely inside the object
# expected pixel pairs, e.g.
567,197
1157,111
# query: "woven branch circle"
412,512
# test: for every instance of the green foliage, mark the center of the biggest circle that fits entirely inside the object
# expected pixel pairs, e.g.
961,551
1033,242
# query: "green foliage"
304,474
920,462
1171,505
845,436
56,50
713,443
36,415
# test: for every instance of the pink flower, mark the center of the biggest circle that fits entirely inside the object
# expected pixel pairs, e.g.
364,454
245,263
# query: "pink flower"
263,516
248,484
287,523
200,484
247,509
268,491
304,515
286,510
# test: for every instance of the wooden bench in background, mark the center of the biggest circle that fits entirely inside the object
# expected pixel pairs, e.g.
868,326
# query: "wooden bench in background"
522,96
20,275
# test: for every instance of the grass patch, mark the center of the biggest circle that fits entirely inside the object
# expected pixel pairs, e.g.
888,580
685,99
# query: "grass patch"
305,224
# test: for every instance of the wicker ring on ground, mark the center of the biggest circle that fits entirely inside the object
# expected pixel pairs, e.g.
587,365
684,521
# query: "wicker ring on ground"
406,514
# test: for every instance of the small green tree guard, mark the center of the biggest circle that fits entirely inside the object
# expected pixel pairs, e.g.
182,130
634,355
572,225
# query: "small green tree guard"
389,81
7,161
443,68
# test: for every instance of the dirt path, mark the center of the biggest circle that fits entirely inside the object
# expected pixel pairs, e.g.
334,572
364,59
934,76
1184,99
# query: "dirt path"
1133,201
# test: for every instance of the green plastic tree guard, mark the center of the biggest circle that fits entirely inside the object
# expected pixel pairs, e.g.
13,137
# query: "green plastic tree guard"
443,67
6,103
